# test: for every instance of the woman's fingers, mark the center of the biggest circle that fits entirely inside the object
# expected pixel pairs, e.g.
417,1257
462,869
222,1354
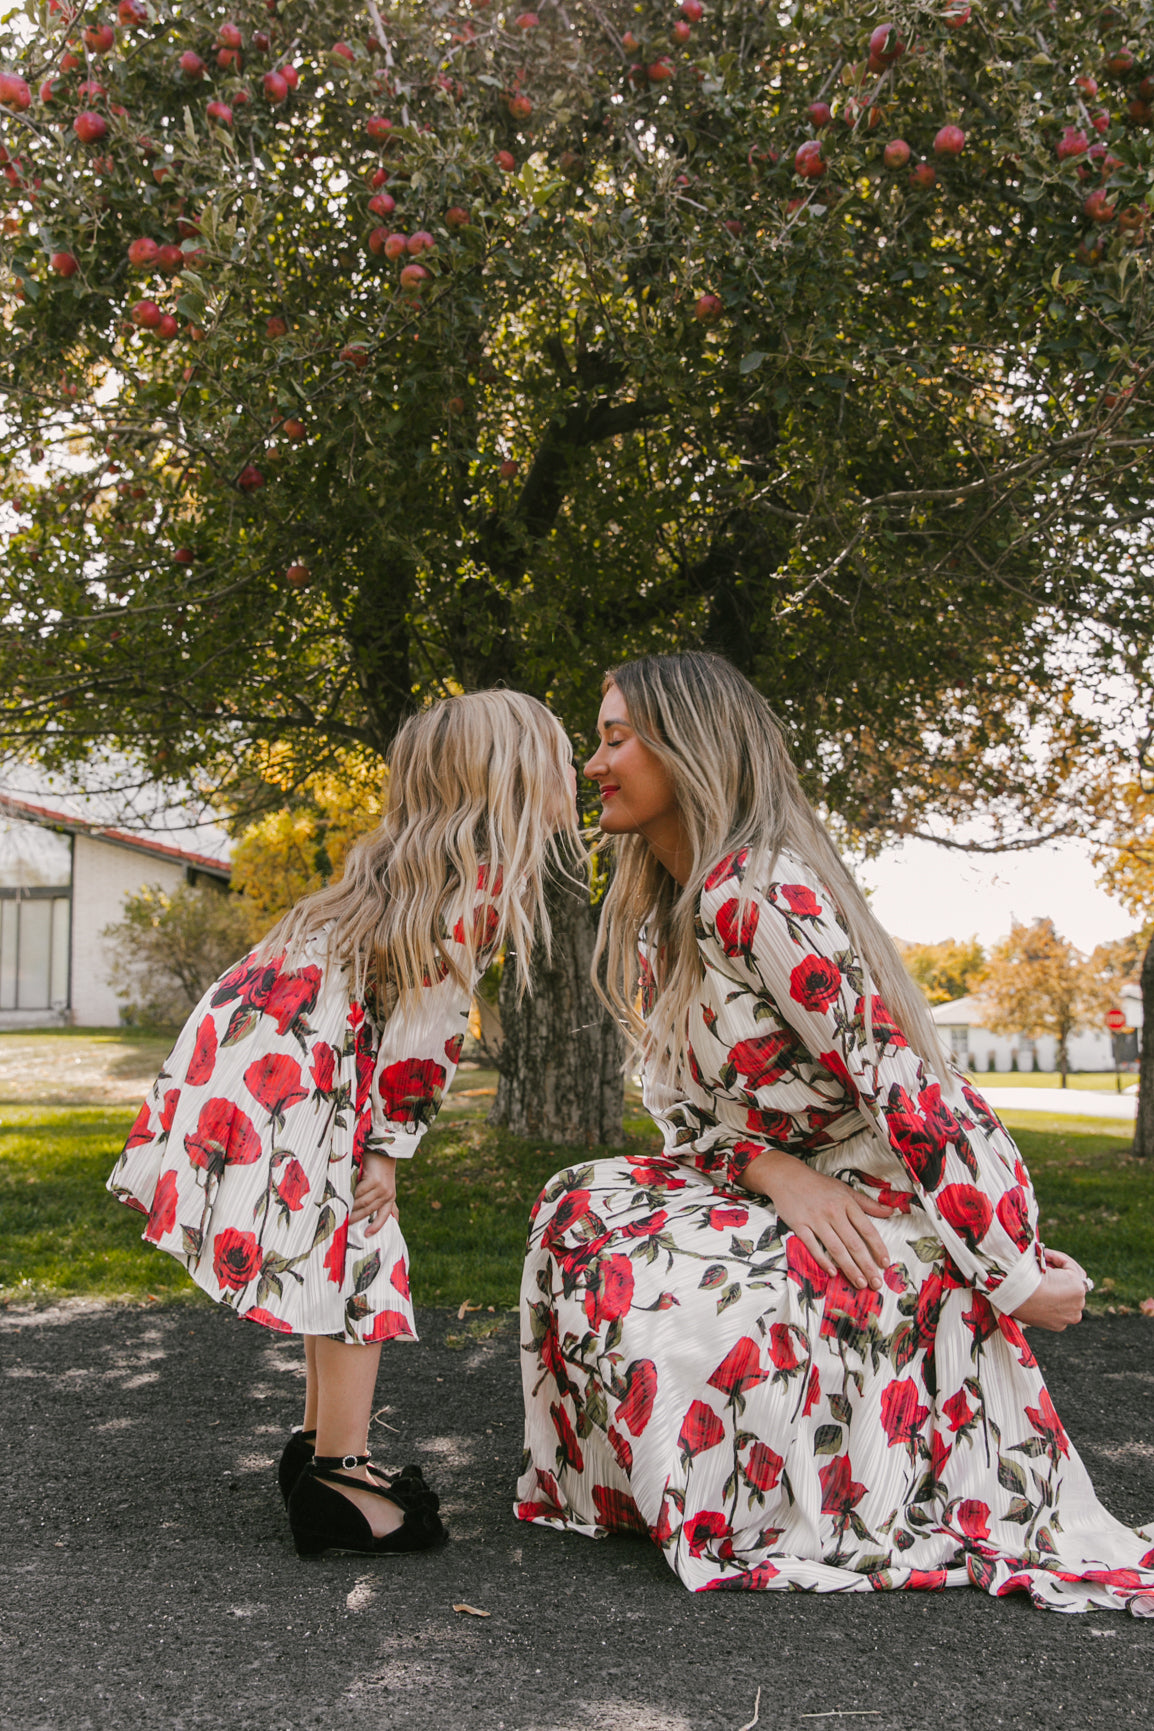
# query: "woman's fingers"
871,1205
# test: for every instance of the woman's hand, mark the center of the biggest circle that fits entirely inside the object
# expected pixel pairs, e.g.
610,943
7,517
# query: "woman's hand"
832,1219
1060,1299
376,1197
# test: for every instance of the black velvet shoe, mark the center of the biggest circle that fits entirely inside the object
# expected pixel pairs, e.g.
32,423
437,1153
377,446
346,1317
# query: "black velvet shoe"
323,1519
407,1487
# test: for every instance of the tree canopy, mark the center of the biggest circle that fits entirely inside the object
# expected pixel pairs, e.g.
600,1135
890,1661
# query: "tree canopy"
1036,982
945,970
821,338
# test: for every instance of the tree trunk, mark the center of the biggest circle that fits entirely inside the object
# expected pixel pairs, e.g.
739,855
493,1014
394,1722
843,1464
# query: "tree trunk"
562,1055
1144,1128
1063,1058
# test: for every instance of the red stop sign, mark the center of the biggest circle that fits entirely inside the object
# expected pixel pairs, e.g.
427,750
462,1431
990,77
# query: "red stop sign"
1116,1021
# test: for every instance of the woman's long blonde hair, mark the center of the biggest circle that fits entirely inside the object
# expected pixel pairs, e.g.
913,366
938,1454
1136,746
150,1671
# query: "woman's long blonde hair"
478,791
736,787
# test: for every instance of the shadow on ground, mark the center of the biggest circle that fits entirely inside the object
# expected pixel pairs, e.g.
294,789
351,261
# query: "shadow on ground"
147,1579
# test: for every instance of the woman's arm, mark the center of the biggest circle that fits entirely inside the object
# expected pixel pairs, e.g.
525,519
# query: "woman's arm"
786,947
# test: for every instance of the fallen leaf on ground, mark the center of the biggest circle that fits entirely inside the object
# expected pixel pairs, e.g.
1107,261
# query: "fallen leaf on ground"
472,1611
1147,1307
466,1305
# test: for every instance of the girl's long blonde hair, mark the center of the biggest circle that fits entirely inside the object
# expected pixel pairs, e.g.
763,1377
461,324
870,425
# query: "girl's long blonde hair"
736,787
479,793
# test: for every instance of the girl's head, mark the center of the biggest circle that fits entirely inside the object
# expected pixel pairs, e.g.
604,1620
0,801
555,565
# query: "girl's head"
696,766
480,789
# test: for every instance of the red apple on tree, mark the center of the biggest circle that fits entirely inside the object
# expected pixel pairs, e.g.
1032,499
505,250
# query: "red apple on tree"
250,478
506,160
342,51
520,107
395,246
956,14
220,112
413,276
820,113
378,128
896,153
950,141
808,161
171,257
1088,86
146,314
261,41
382,204
291,76
143,252
294,429
508,468
132,12
708,309
168,328
229,36
99,38
14,92
191,65
682,31
1098,207
183,556
63,263
1073,142
275,87
527,21
421,241
660,71
298,576
885,47
276,327
693,10
356,355
377,240
456,217
923,176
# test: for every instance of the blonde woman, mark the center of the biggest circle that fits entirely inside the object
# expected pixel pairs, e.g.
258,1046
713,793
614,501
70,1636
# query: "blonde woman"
266,1154
789,1347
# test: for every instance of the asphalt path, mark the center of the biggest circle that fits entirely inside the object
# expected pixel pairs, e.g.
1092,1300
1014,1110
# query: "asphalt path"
147,1580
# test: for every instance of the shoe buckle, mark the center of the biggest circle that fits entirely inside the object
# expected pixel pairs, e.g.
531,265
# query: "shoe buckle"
349,1462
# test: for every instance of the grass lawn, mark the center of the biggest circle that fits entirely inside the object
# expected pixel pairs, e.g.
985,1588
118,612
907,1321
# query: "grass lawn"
1097,1081
465,1201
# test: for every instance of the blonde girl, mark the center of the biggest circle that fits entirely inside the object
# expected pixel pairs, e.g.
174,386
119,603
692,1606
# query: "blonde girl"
266,1153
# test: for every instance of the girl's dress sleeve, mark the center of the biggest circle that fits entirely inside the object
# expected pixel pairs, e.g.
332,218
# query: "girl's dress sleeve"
786,946
420,1046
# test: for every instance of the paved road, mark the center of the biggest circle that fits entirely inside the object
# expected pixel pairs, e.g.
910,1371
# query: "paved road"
147,1581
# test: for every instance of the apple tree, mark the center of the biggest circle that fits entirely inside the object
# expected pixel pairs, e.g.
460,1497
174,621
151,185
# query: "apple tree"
349,358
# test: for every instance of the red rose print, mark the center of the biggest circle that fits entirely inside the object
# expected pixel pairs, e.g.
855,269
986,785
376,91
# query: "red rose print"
840,1492
836,1065
919,1144
224,1136
243,981
1011,1333
664,1530
967,1210
655,1174
400,1277
570,1208
291,997
737,939
268,1320
810,1276
776,1127
141,1131
549,1505
756,1059
763,1468
203,1060
389,1325
700,1528
782,1349
365,1061
812,1393
958,1411
902,1416
1014,1216
570,1448
847,1308
486,919
732,866
323,1067
802,900
929,1309
411,1090
635,1410
275,1080
982,1319
701,1429
815,983
454,1047
1047,1423
235,1258
162,1214
973,1518
613,1295
726,1215
926,1580
616,1511
622,1448
740,1369
292,1185
168,1111
885,1030
336,1253
647,1227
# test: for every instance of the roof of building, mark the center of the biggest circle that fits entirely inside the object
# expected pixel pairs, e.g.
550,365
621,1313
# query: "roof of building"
53,817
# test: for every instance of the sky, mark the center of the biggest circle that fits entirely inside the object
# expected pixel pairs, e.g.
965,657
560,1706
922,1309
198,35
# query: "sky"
923,893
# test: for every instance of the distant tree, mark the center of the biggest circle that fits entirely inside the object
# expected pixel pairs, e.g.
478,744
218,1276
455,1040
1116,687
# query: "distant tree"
1036,982
168,948
947,970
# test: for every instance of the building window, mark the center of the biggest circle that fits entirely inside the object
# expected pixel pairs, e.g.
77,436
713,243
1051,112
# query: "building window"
35,916
959,1042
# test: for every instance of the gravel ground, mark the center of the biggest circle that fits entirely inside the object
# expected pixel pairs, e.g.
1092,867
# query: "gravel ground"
147,1579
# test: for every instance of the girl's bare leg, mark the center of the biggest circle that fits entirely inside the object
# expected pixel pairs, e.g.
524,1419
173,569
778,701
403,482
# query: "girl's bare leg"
345,1378
310,1418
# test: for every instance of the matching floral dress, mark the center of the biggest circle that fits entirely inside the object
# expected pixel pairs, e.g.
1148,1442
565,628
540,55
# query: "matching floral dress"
246,1152
690,1371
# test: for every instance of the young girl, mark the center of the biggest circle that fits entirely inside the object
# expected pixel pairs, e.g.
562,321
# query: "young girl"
265,1155
789,1347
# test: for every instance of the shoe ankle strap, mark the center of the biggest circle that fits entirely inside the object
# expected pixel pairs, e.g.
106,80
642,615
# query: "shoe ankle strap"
340,1463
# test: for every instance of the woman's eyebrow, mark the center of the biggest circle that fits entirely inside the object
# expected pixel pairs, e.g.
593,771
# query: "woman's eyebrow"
613,722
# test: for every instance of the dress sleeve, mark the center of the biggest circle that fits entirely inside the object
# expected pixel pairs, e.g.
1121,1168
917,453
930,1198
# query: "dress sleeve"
420,1047
787,947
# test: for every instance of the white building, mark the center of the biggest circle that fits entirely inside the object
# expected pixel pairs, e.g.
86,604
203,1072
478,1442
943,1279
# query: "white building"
64,875
975,1047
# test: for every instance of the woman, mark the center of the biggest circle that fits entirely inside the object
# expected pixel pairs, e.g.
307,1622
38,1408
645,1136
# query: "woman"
265,1156
790,1347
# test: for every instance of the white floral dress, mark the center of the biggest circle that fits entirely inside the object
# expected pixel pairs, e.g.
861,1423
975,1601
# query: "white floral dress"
246,1152
691,1372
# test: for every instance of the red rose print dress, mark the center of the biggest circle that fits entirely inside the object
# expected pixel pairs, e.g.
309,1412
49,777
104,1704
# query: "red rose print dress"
691,1373
246,1152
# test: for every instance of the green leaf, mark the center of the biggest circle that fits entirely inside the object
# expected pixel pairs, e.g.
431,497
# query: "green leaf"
828,1439
749,363
1011,1476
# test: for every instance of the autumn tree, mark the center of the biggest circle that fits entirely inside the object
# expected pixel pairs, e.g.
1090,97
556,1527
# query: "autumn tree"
301,844
946,970
348,361
1126,859
1036,982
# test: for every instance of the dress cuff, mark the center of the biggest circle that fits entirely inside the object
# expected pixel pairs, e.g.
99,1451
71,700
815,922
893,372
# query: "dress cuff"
1018,1286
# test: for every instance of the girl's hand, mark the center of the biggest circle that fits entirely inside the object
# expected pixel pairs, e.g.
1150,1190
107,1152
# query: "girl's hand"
831,1218
376,1197
1060,1299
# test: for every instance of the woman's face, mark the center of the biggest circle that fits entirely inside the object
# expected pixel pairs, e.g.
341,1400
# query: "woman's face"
637,795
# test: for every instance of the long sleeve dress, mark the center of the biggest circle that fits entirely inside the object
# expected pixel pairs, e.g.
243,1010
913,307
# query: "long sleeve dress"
690,1371
245,1153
